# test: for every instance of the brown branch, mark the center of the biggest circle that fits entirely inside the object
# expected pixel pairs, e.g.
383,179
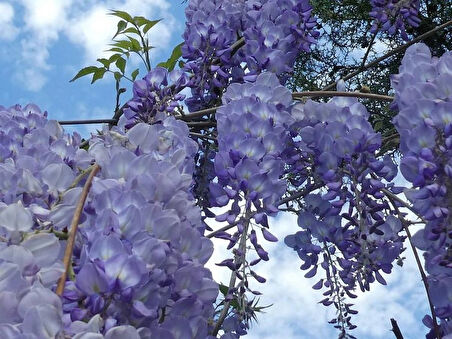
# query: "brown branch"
363,62
73,230
199,135
298,95
88,121
396,329
198,114
418,262
389,54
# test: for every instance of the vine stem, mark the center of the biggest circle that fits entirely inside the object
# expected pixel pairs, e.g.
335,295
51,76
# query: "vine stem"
419,265
323,93
212,110
73,230
239,258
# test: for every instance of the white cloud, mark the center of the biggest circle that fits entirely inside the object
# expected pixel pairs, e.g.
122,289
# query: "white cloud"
8,31
85,24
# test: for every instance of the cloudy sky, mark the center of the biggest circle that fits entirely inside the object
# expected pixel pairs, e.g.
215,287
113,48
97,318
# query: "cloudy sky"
43,45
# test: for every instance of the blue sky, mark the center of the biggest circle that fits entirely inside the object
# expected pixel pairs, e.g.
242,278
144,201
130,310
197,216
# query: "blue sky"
43,45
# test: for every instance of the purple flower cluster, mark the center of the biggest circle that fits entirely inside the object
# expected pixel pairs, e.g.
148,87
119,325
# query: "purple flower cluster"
30,188
154,97
212,26
139,260
252,134
392,16
275,32
138,265
423,91
347,221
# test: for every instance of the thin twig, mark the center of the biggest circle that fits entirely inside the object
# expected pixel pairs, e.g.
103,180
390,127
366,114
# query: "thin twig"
88,121
418,263
391,195
389,54
239,258
199,135
396,329
363,62
73,230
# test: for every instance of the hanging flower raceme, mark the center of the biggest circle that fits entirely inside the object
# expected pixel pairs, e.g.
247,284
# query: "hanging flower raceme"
423,97
30,188
252,135
347,223
251,139
274,33
138,264
154,97
140,257
211,29
392,16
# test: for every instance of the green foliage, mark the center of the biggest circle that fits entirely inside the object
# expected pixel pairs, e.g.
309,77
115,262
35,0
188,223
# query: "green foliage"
175,55
345,37
130,37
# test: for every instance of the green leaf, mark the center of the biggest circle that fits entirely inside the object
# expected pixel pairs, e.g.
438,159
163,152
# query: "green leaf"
223,289
131,30
121,64
84,71
136,46
175,55
123,44
135,73
115,49
121,26
378,126
105,62
117,76
121,14
114,57
98,74
235,304
150,24
140,20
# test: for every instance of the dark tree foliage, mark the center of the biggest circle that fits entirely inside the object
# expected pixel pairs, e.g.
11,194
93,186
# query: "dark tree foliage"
346,44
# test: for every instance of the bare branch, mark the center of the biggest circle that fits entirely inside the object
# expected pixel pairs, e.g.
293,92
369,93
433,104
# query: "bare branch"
73,230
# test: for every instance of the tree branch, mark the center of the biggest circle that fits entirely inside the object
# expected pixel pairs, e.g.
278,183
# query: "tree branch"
389,54
73,230
396,329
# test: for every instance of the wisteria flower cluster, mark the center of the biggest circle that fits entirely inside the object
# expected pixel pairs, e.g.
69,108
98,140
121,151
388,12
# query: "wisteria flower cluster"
423,90
140,257
393,16
212,27
274,33
346,223
252,135
154,97
138,265
31,187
